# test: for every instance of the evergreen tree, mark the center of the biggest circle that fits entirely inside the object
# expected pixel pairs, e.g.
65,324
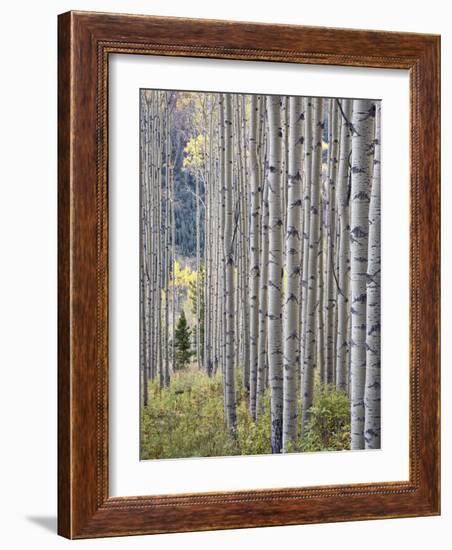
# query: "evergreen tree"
182,342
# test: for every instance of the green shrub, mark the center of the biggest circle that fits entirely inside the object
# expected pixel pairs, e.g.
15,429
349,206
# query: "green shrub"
329,424
186,419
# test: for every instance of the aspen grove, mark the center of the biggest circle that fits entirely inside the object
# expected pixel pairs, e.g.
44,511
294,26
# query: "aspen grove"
259,274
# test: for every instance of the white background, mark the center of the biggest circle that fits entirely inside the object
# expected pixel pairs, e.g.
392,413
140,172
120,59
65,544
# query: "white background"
28,272
129,476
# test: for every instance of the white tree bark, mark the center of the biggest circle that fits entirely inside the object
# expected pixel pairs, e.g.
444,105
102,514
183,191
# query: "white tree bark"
167,136
275,272
144,256
343,200
362,164
231,416
372,398
158,162
310,359
254,272
262,359
291,336
331,288
307,164
222,266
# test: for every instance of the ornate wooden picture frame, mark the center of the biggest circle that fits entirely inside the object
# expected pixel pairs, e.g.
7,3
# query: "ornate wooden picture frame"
85,43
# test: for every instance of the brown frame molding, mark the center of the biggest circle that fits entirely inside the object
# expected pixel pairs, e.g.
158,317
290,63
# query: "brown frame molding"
85,41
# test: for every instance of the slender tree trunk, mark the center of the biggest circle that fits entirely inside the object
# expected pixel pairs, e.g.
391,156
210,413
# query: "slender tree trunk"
291,336
305,241
320,330
244,243
262,356
144,282
262,352
254,273
198,273
310,360
229,268
222,178
160,268
167,236
147,236
343,200
218,242
210,248
275,272
173,279
331,288
153,238
372,399
362,163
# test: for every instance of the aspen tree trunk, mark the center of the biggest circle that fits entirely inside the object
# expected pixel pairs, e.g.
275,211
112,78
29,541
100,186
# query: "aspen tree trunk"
152,234
198,273
153,237
159,134
372,399
167,236
275,271
207,250
241,242
144,282
325,243
210,248
222,173
238,313
173,278
262,365
331,288
222,266
302,239
244,242
307,162
262,356
254,273
218,251
146,233
310,360
343,199
143,345
284,161
235,232
362,163
229,268
320,328
291,336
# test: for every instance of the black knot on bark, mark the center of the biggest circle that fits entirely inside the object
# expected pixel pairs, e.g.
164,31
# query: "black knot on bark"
358,232
357,170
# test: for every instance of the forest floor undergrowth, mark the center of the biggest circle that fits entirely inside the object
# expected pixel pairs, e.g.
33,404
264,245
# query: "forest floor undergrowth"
186,419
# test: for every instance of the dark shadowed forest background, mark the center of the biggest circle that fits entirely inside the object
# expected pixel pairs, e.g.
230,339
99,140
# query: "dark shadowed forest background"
259,274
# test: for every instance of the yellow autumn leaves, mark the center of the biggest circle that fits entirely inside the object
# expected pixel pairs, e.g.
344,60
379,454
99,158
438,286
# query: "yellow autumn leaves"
195,153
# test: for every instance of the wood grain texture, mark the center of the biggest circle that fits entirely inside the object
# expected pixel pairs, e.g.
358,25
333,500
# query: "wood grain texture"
85,42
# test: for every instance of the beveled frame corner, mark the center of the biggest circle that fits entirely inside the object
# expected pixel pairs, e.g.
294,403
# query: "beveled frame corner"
85,42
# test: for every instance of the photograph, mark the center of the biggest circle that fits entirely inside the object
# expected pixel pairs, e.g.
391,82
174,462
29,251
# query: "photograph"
259,274
230,353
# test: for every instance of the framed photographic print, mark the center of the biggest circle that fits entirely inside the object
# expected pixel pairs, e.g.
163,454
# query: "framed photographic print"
248,275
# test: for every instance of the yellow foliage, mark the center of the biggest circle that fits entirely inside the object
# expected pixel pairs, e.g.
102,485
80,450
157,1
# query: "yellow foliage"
184,99
196,152
183,277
